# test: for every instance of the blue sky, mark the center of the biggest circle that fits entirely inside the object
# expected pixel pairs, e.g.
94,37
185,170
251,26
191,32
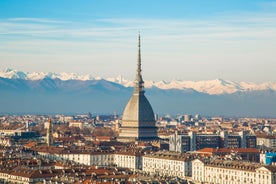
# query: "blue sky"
181,39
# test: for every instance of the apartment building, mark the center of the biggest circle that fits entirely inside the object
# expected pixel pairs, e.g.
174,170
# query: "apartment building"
266,141
195,141
229,172
168,164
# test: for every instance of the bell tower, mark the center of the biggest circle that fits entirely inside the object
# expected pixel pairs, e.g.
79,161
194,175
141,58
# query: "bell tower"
50,138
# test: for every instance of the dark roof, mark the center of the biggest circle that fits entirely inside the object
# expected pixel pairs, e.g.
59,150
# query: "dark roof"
138,109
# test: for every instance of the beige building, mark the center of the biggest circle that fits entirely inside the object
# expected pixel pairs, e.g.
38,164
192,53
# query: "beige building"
77,124
128,159
168,164
12,132
164,163
82,156
229,172
266,141
5,141
97,158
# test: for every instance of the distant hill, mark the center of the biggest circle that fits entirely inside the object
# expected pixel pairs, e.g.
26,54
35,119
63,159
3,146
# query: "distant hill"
55,93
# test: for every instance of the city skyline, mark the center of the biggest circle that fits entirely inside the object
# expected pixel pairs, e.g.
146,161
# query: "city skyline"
181,39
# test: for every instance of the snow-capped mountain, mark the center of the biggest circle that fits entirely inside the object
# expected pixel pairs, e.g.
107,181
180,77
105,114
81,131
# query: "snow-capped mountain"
217,86
22,92
15,74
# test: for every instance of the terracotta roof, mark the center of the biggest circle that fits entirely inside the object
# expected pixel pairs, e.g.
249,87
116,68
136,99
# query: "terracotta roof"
115,176
48,149
238,165
266,136
272,168
129,152
104,138
144,144
170,156
46,173
29,173
30,144
228,150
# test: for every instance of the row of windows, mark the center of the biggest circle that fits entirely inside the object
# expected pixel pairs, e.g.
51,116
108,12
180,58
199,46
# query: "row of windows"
218,174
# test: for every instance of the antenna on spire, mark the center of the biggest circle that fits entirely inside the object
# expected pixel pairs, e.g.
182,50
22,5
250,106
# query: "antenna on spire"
139,83
139,39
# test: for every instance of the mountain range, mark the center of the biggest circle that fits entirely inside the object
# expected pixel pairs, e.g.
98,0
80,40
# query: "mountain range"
38,92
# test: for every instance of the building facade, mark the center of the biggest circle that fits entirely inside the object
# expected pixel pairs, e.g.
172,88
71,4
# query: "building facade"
81,156
245,154
128,159
194,141
266,141
229,172
168,164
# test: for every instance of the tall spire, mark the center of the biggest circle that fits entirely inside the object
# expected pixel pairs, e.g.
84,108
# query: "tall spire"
139,83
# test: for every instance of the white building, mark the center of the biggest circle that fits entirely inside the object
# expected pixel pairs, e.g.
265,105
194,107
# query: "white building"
187,117
98,158
162,163
167,164
66,118
229,172
128,159
77,124
5,141
266,141
81,156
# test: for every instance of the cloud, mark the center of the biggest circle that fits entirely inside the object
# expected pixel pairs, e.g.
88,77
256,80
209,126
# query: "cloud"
216,43
47,29
268,6
37,20
223,27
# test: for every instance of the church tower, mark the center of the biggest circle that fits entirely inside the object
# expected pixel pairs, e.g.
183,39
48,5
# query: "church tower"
138,122
49,138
